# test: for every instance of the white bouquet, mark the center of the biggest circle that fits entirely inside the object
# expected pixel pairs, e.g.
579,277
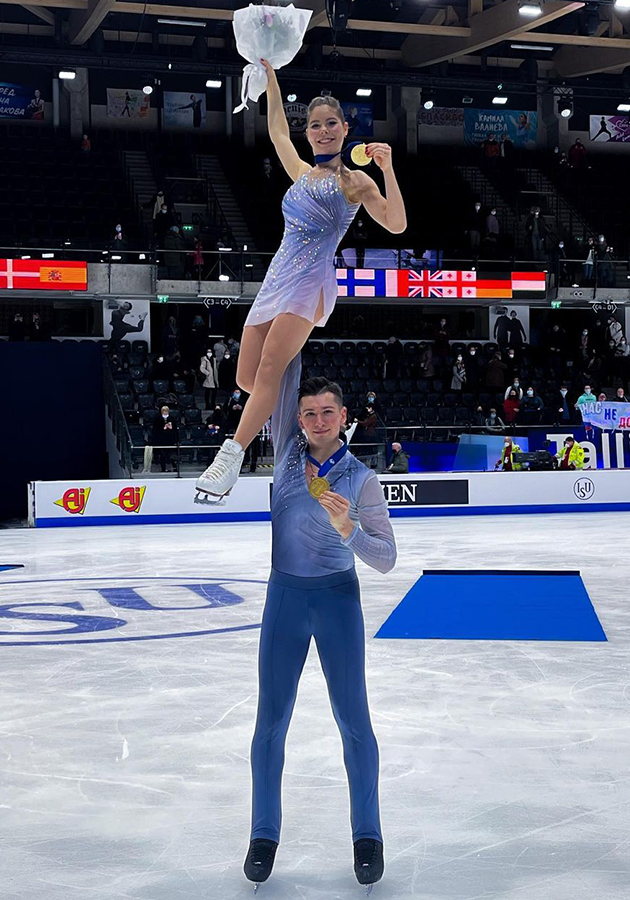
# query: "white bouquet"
274,33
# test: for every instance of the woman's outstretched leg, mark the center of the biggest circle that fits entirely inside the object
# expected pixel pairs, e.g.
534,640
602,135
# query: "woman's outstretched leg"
286,337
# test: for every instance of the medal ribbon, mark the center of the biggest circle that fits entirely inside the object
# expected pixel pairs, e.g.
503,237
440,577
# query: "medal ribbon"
345,154
325,467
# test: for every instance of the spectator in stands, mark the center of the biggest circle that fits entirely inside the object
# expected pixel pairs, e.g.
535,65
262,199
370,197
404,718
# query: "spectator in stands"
479,417
196,259
506,462
233,346
530,412
493,232
458,381
588,266
601,397
490,151
606,267
622,359
507,148
161,225
494,423
117,237
556,348
219,350
175,247
559,265
621,396
213,436
210,371
516,387
360,238
233,409
585,397
197,342
170,337
441,347
425,359
473,368
571,456
86,144
495,375
161,370
217,417
158,203
399,463
165,432
578,156
615,330
227,371
120,328
563,415
593,367
516,332
118,365
511,407
370,400
501,331
393,358
599,335
584,349
38,330
475,227
536,234
366,431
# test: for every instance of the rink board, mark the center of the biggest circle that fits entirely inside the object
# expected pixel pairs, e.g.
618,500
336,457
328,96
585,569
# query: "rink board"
171,500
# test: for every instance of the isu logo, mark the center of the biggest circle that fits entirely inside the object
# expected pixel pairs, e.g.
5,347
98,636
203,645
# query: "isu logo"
130,499
74,500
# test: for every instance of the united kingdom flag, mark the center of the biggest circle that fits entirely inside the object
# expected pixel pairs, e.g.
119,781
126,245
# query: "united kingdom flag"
440,283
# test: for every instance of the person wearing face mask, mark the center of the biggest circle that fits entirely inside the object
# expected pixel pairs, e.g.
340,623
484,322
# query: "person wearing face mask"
441,347
492,232
513,366
370,400
458,381
511,406
586,397
588,266
516,387
506,462
495,374
620,396
360,237
615,330
571,456
530,412
563,415
425,360
473,368
475,227
233,410
494,423
160,369
164,432
219,349
210,372
393,357
536,234
559,265
227,371
399,463
556,347
117,237
622,359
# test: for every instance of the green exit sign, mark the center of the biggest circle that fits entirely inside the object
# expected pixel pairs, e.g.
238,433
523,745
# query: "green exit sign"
162,298
556,304
187,228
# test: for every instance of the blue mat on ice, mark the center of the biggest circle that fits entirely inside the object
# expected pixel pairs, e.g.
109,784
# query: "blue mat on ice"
495,606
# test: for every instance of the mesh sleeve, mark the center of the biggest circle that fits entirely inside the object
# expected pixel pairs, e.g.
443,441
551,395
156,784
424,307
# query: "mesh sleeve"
284,423
372,540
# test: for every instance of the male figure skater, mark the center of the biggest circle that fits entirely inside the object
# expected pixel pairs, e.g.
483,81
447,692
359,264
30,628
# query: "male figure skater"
326,507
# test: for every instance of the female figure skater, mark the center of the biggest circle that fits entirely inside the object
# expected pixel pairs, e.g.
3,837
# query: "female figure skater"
300,288
326,507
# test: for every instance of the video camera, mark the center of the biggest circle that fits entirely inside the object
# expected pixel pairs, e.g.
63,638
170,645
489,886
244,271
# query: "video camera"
536,460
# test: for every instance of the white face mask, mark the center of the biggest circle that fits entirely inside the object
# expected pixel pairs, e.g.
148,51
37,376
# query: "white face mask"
209,355
511,355
516,384
587,390
472,352
165,415
477,206
459,359
564,393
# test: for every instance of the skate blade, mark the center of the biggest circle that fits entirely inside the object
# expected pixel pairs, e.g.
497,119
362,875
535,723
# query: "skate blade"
206,499
256,886
368,889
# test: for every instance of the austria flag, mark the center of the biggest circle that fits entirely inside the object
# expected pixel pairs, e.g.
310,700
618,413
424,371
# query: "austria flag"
42,275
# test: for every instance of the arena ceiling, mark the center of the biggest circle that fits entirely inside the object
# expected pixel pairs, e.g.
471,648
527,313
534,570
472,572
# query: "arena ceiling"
569,41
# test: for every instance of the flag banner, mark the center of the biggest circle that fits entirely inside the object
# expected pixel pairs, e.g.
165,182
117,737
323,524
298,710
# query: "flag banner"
440,283
607,416
21,101
42,275
609,128
129,104
520,127
184,111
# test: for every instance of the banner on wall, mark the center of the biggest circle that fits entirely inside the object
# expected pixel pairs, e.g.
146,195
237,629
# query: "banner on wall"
42,275
442,116
184,111
360,119
131,104
615,129
124,320
21,101
520,127
509,325
296,114
607,416
444,284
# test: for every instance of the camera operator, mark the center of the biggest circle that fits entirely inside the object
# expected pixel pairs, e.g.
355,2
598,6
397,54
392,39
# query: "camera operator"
571,456
506,462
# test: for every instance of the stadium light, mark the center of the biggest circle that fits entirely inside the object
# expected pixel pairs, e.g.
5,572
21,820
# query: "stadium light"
623,107
622,4
547,47
291,98
193,23
67,74
214,83
499,101
48,255
565,108
364,92
147,89
530,8
224,277
116,257
25,257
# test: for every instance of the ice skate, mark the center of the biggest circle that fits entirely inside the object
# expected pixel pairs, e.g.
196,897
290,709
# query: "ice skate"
259,861
368,862
221,476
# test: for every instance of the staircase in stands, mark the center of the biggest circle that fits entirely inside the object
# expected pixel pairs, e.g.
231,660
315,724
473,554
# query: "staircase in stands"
142,184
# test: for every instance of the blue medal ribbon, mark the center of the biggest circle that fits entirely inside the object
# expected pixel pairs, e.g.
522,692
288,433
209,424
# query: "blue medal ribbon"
325,467
345,154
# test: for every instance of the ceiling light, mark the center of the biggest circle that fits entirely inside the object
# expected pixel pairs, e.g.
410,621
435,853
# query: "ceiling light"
225,249
622,4
147,89
364,92
428,98
67,74
116,257
500,101
48,255
623,107
291,98
428,104
25,257
467,99
214,83
565,108
530,8
224,277
193,23
244,246
142,256
546,47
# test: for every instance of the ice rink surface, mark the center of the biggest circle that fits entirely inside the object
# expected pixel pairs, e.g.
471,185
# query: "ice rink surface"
124,750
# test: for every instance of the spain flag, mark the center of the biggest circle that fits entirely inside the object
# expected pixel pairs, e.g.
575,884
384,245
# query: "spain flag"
42,275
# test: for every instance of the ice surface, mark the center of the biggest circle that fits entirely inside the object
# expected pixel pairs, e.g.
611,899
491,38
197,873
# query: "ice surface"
124,764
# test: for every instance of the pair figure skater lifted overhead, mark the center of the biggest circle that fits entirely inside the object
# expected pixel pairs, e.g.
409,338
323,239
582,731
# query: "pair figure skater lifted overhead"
300,288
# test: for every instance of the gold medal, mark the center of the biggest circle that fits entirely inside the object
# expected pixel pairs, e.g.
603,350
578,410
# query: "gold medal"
318,486
359,156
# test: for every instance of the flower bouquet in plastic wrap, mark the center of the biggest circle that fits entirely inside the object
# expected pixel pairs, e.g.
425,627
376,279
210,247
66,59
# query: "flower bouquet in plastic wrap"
274,33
